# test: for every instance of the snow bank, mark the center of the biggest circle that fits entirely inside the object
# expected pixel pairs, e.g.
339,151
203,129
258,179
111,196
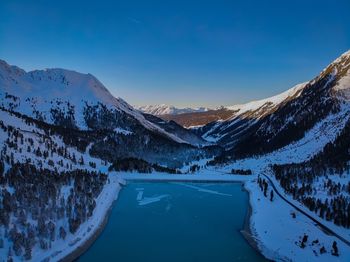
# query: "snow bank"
62,249
278,234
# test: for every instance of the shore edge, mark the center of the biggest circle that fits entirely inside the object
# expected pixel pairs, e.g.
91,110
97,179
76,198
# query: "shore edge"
79,251
247,231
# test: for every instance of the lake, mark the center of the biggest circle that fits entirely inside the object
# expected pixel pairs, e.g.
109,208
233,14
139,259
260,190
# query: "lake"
185,222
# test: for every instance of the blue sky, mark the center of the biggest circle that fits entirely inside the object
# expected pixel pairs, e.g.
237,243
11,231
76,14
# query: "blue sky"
185,53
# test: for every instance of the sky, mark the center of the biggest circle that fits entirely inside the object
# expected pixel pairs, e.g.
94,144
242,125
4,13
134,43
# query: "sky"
183,53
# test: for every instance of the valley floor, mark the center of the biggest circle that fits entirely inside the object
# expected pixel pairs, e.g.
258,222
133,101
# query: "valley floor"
275,227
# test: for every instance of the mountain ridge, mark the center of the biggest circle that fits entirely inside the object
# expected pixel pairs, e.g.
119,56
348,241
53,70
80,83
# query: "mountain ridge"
163,109
75,101
272,126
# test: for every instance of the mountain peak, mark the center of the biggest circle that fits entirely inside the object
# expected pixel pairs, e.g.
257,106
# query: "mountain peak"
339,65
10,69
341,72
345,54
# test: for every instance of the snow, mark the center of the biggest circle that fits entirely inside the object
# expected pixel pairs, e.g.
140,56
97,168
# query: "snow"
62,248
272,101
41,90
120,130
342,57
314,139
30,131
169,109
194,127
278,234
343,86
251,112
337,229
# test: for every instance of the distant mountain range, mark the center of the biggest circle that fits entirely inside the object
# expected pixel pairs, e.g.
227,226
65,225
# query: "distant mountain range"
195,118
163,109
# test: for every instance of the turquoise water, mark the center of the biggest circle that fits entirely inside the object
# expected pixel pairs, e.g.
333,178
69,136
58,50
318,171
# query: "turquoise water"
182,222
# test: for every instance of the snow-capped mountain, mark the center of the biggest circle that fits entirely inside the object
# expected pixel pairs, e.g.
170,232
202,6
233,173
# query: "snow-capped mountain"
81,103
262,106
39,93
269,124
163,109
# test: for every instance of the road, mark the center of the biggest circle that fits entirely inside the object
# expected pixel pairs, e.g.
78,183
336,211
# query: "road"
319,224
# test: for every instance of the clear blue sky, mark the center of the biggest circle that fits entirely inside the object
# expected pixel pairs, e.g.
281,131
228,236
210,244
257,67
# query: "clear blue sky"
186,53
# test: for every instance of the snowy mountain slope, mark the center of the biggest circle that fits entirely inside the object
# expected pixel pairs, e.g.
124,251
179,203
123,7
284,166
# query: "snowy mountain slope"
169,110
246,115
52,93
55,196
79,103
178,130
267,103
267,125
34,139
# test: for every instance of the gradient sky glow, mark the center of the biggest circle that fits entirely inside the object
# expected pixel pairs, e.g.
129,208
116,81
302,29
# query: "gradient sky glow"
185,53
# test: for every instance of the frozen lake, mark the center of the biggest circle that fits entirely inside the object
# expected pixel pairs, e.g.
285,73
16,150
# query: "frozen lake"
184,222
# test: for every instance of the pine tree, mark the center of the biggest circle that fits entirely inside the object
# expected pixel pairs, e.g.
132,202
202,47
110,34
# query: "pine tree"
271,195
335,251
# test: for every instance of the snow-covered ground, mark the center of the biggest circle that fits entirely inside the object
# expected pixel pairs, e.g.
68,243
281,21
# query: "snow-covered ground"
278,234
62,248
59,248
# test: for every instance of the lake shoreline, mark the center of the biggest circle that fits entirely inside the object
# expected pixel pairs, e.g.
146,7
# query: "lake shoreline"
89,241
247,232
79,251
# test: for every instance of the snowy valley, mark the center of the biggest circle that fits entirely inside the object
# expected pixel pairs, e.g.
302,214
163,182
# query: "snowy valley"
68,146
